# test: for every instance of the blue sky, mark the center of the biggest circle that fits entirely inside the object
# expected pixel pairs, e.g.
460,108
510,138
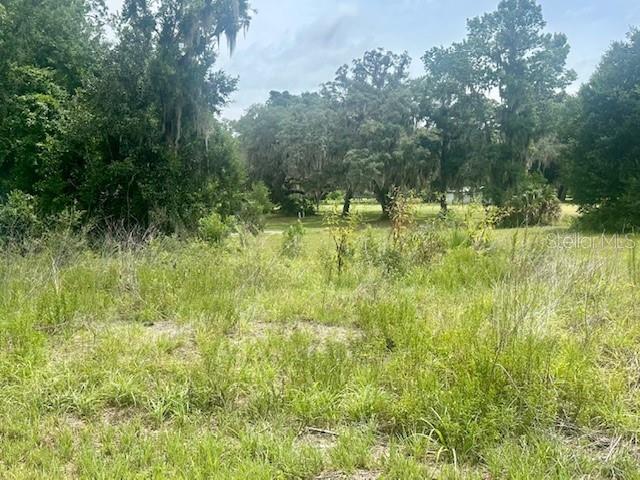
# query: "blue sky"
296,45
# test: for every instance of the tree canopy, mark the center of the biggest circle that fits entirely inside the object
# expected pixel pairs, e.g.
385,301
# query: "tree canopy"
124,126
124,130
604,171
481,116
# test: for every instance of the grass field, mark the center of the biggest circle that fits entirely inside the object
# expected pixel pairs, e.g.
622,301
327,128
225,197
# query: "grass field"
519,359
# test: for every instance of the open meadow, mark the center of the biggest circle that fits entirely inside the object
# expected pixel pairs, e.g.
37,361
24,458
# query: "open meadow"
247,240
451,351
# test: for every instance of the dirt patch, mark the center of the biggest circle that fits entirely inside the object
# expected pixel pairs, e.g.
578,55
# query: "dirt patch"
72,422
171,330
327,333
178,340
322,333
320,440
357,475
325,440
117,416
600,446
379,453
605,448
180,336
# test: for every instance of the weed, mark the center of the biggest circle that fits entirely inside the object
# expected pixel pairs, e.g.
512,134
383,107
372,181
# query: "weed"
292,240
342,232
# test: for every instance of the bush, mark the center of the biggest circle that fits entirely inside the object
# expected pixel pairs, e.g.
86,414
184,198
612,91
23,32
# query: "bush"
335,196
213,228
620,215
370,247
255,206
342,231
425,245
65,234
19,220
534,203
298,205
292,240
403,217
471,227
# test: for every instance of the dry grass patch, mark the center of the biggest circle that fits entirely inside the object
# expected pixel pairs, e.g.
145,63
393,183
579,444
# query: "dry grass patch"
357,475
323,334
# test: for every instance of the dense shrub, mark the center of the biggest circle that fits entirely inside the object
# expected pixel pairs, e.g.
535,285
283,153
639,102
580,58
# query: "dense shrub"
535,202
292,240
335,196
342,231
213,228
298,205
19,220
254,208
619,215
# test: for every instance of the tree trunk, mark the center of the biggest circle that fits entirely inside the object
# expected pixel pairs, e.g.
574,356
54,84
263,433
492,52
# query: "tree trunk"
562,193
346,207
444,207
382,196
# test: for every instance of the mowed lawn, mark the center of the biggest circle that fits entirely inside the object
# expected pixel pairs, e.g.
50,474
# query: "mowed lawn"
519,359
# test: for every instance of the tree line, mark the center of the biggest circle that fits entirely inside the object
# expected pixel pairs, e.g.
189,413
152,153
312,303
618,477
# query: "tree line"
116,117
491,114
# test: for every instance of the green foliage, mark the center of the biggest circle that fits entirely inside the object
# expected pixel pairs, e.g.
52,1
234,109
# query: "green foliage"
372,130
603,171
297,205
527,67
409,246
357,135
292,240
342,231
420,247
213,228
426,245
254,207
445,350
472,227
534,203
289,146
335,196
19,219
462,117
381,146
123,129
259,197
514,363
402,217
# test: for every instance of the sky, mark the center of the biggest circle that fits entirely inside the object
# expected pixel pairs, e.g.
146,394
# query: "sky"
296,45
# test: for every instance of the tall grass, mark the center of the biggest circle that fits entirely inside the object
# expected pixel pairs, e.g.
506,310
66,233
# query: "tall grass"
168,359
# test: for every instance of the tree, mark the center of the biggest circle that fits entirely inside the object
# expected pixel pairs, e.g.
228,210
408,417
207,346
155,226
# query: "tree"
526,68
459,114
375,103
549,155
152,146
124,130
604,171
288,143
46,49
